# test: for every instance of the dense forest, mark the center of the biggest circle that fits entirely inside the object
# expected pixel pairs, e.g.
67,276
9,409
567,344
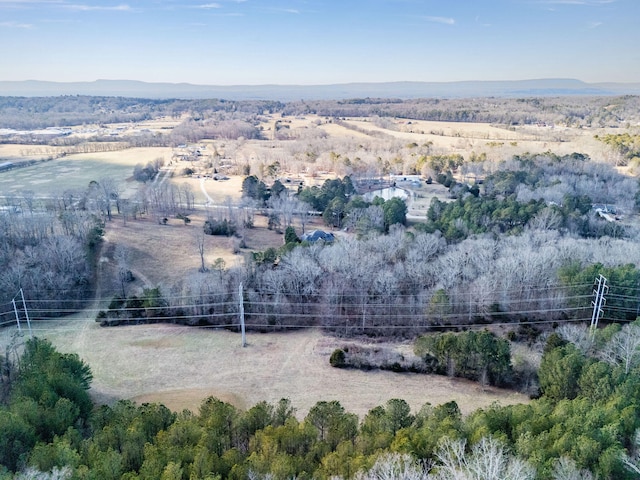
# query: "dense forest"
583,425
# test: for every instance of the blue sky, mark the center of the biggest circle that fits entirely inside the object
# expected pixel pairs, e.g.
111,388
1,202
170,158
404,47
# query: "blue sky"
252,42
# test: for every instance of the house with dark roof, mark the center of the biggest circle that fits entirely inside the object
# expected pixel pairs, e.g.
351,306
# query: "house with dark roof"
317,236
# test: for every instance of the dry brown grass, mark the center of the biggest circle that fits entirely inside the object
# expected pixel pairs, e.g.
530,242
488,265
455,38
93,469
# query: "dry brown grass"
180,366
16,152
163,254
497,141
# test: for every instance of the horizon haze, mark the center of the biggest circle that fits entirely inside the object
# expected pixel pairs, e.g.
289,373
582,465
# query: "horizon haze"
301,42
285,93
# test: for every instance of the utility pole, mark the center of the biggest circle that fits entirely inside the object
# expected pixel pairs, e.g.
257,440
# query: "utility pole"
600,290
26,313
15,309
241,305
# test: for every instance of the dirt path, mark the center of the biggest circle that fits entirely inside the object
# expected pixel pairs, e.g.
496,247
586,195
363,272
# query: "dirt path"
204,191
180,366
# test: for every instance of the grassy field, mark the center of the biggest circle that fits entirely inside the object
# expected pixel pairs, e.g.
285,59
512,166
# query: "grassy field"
76,171
180,366
163,254
498,142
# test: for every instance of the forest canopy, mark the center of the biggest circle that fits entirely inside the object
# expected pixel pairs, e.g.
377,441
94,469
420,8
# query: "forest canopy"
584,423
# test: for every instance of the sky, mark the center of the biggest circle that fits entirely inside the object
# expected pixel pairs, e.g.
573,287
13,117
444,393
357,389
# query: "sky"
317,42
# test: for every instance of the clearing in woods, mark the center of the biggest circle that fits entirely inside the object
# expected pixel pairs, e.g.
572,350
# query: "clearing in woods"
180,366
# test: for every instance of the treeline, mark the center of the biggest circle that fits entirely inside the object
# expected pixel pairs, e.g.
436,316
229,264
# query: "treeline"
40,112
404,283
572,111
49,253
583,425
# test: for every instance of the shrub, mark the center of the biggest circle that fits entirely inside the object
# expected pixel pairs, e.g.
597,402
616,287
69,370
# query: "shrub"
290,236
337,358
184,218
219,227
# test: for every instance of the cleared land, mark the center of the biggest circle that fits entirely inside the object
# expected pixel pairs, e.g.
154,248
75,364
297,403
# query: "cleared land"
76,171
498,142
180,366
163,254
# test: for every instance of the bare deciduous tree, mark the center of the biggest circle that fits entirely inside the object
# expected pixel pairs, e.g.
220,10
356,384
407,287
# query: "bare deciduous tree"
578,335
632,462
395,466
487,461
122,257
199,239
624,348
566,469
108,189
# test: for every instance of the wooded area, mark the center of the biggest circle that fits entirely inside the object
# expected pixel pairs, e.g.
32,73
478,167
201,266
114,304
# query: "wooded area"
501,260
583,425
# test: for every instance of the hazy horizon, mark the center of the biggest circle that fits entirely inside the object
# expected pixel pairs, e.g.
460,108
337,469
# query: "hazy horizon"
303,42
195,84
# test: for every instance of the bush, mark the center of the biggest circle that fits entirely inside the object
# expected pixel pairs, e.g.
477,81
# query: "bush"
337,358
146,173
184,218
116,303
290,236
219,227
375,357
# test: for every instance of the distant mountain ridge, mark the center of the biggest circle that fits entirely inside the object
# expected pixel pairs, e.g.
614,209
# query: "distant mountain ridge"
401,90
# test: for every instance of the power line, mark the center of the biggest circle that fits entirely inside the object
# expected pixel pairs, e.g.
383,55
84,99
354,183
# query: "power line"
336,295
371,317
253,308
338,307
349,327
348,291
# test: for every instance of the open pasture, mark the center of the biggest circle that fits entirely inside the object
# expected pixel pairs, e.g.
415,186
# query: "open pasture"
180,366
161,255
76,171
497,141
